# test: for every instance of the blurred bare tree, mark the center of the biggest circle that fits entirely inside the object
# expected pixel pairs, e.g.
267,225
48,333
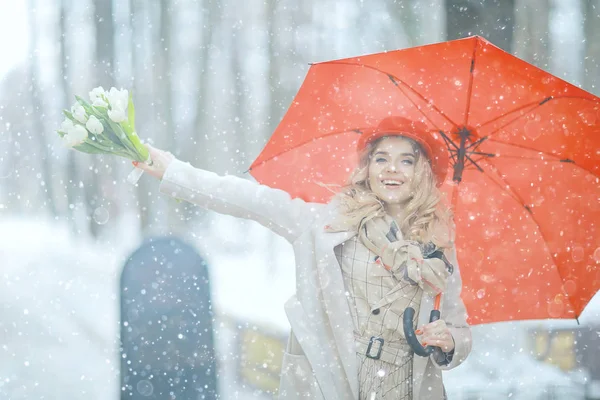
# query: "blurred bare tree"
105,43
492,19
198,152
211,80
591,61
282,56
406,18
142,70
273,73
532,32
15,101
99,190
70,185
42,153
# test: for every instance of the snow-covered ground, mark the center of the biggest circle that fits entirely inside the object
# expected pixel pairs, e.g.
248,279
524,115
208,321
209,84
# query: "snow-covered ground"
60,310
59,321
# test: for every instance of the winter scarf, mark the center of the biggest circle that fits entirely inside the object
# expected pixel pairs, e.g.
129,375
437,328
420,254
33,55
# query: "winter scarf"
420,264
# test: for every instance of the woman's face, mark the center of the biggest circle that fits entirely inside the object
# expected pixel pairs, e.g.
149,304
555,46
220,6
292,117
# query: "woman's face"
392,169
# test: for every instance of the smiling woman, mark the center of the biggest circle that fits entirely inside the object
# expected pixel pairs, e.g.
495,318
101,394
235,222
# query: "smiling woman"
13,25
400,169
383,241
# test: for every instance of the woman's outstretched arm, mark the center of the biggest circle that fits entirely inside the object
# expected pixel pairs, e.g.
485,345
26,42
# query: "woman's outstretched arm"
273,208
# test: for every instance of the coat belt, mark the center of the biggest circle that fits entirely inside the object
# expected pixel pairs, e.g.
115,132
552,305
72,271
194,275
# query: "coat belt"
377,348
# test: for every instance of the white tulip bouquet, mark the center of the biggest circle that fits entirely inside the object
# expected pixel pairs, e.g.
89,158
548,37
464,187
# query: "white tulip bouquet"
105,125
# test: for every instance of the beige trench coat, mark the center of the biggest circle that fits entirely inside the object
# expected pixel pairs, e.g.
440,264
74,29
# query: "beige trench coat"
320,362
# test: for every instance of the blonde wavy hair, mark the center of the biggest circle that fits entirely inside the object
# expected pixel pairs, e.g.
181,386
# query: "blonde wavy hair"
427,217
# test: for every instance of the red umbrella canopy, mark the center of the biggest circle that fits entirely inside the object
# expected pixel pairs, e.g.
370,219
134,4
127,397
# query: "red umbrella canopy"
524,168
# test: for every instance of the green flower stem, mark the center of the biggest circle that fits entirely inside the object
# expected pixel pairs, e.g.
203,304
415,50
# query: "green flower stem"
102,114
129,128
107,150
122,135
135,140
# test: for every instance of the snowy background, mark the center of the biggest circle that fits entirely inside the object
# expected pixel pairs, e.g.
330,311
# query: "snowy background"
60,319
211,79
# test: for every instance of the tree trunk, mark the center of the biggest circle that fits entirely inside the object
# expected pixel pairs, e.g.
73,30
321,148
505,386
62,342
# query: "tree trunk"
281,53
405,19
591,80
39,134
137,13
492,19
105,46
164,100
210,19
532,37
163,96
196,147
282,49
240,124
273,71
101,174
73,192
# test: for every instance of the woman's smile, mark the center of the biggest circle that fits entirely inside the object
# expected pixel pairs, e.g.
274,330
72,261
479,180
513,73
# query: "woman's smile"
392,184
391,170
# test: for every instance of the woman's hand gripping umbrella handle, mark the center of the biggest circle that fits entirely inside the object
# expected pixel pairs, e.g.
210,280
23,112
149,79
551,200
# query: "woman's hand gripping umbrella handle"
409,332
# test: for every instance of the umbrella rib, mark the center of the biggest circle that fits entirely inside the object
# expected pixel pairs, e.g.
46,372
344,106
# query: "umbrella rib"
454,152
477,143
534,105
471,160
471,78
554,156
395,80
510,190
474,160
356,130
527,158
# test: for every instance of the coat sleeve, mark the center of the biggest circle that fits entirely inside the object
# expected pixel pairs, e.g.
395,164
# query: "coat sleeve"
455,314
238,197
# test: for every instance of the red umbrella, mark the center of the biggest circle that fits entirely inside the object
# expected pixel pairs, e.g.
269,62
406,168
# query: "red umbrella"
524,170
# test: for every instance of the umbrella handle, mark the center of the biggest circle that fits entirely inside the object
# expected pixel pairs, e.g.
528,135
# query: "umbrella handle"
409,331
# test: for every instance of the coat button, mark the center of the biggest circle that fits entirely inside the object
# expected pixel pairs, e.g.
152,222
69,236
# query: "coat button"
375,311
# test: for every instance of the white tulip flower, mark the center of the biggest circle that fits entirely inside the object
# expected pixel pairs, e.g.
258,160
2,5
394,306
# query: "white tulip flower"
79,113
75,135
99,102
97,97
104,124
94,125
97,92
66,125
117,115
118,98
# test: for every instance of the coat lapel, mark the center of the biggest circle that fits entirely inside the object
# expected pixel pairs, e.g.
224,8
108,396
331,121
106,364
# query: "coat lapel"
336,304
304,329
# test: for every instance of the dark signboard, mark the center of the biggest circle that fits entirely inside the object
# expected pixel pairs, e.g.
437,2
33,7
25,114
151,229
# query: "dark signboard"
166,324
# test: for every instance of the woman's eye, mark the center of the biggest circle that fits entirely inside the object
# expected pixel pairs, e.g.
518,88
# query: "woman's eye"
380,160
407,162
